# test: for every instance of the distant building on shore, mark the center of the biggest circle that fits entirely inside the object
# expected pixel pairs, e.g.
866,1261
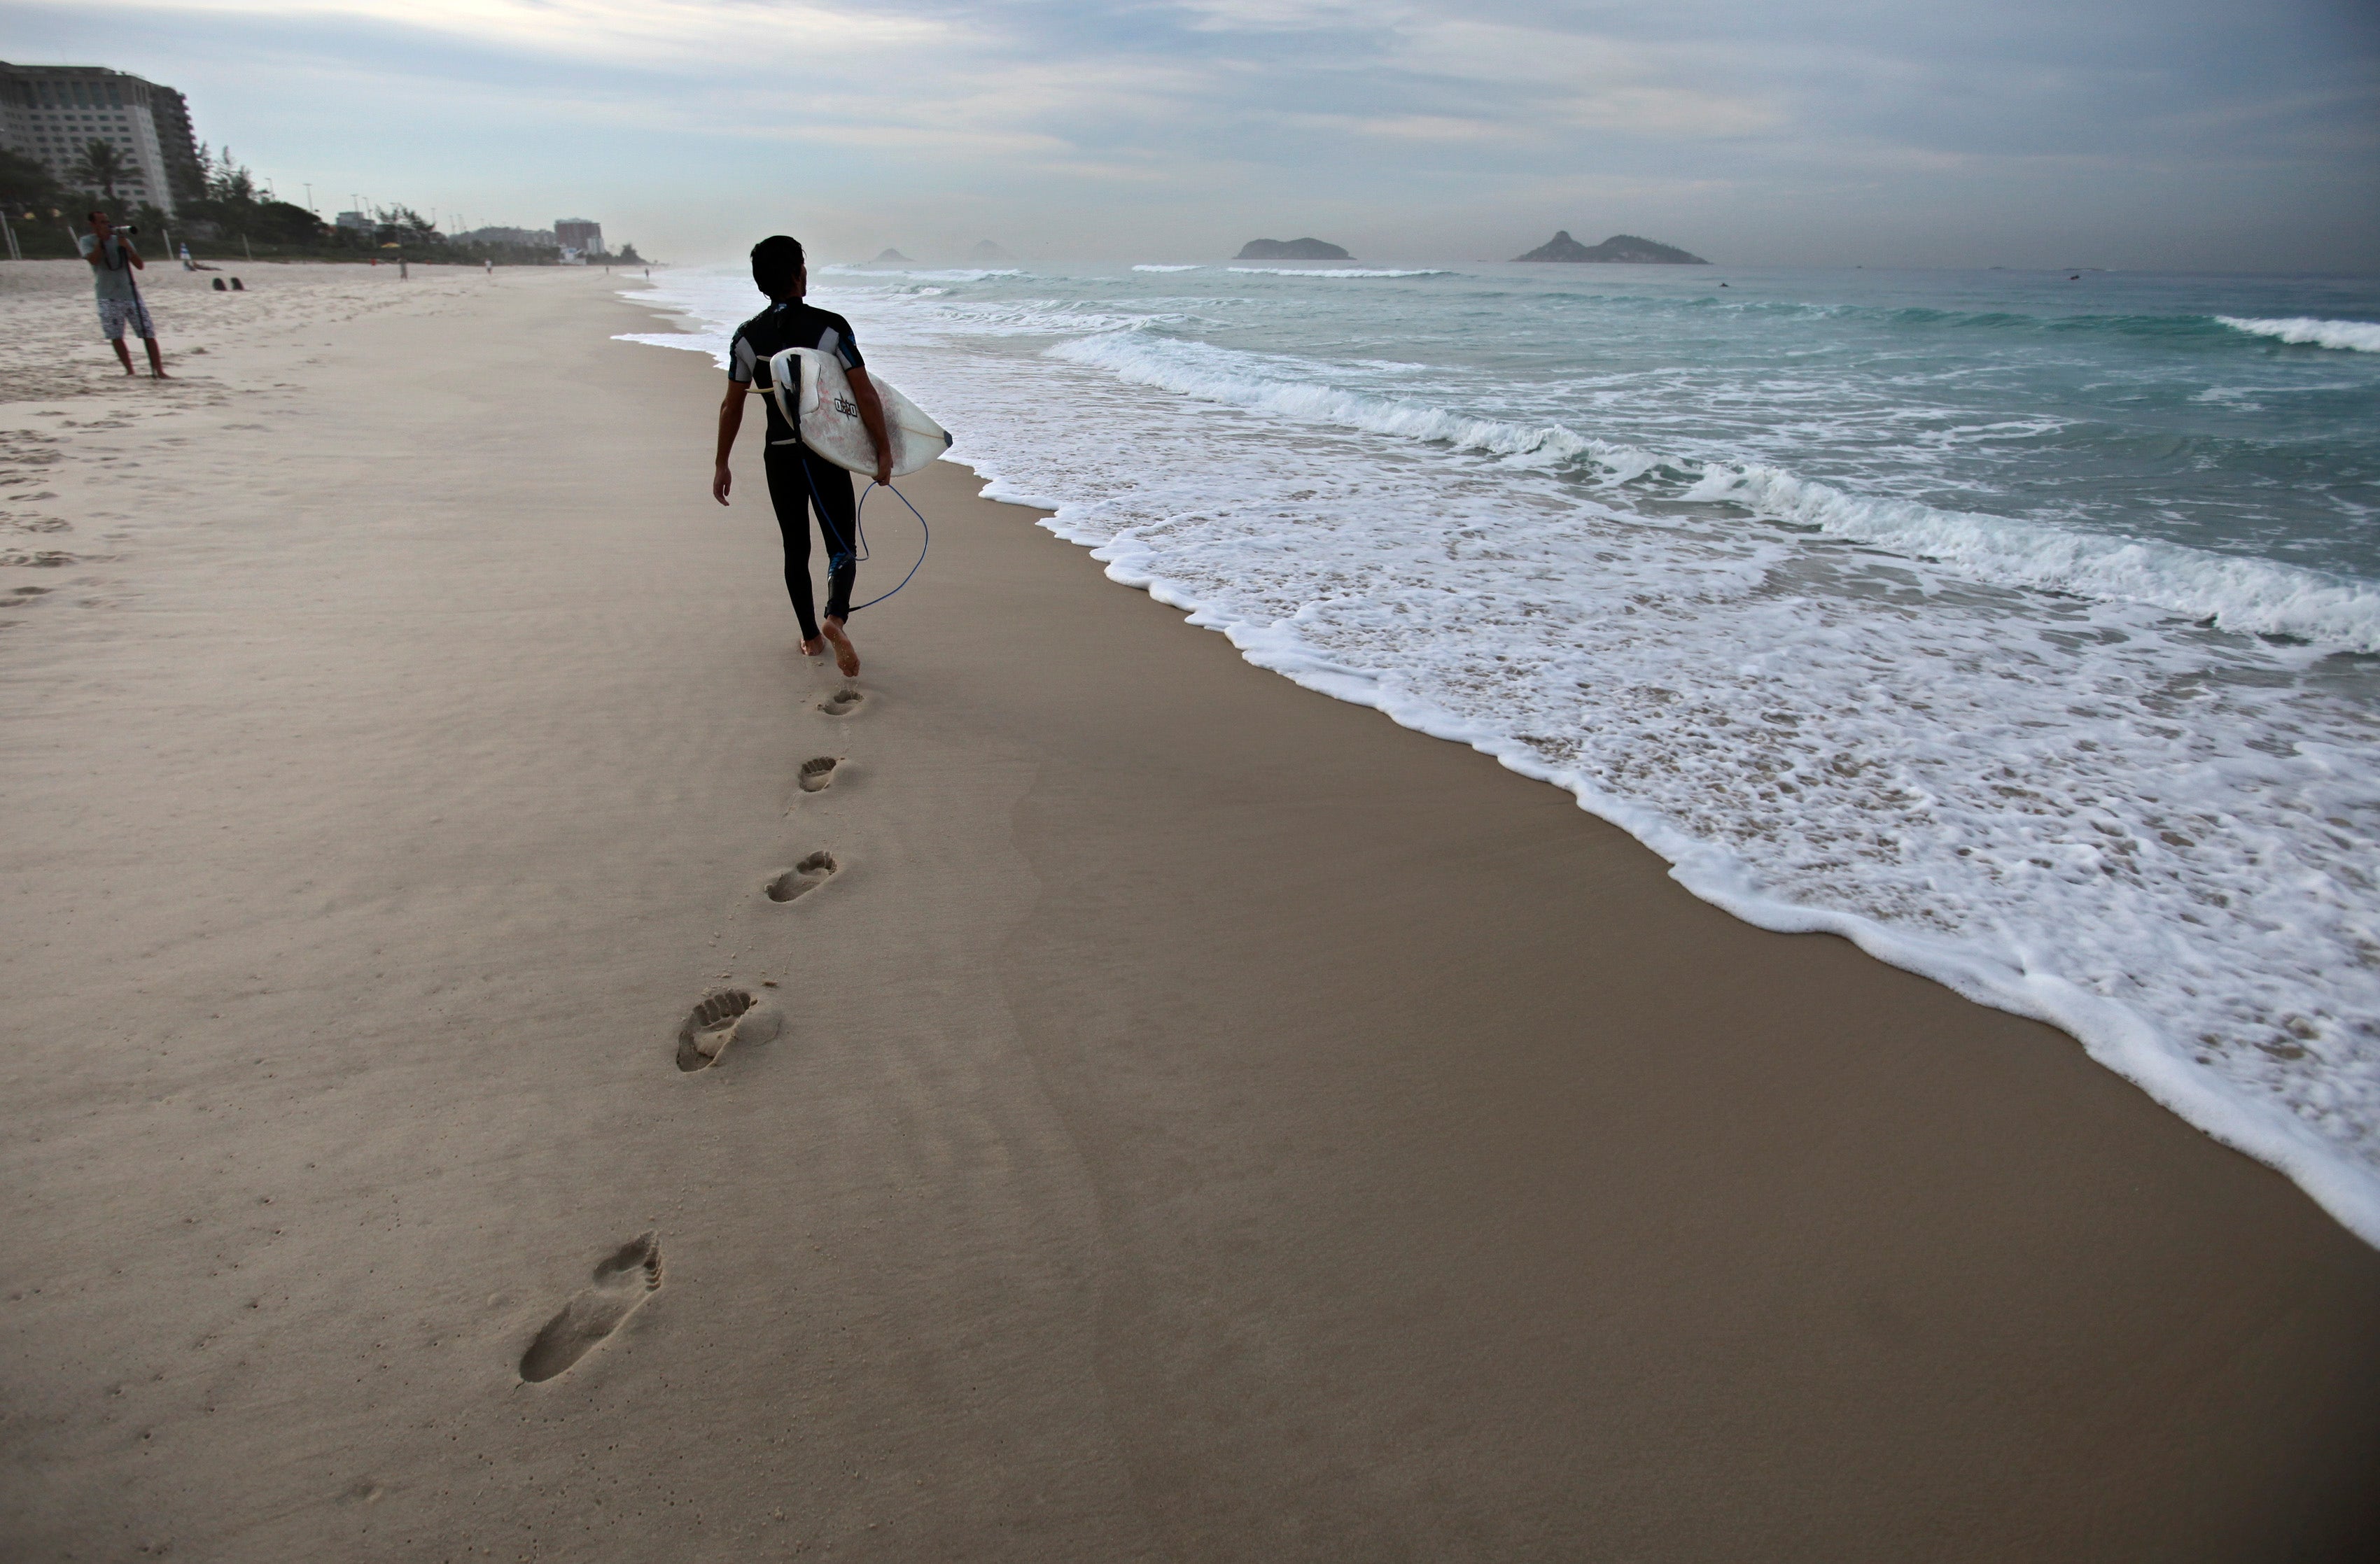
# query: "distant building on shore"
357,220
52,113
577,235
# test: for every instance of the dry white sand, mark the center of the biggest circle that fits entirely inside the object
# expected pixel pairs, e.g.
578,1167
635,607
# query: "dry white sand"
1202,1121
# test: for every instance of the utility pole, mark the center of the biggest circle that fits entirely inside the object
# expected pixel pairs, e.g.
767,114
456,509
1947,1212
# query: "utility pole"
11,232
309,200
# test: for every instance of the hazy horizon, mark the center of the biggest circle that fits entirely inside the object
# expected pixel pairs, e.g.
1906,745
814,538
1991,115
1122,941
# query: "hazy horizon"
2189,136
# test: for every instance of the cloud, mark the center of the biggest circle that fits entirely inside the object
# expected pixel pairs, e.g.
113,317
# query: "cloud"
1768,130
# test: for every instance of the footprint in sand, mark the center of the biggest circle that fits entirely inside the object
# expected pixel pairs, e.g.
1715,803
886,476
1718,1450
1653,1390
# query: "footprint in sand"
819,775
731,1016
804,876
622,1282
842,703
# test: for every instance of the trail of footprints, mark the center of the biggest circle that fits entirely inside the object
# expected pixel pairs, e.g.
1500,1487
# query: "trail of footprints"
626,1278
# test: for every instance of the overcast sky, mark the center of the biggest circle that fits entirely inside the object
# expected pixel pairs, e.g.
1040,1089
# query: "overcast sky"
2170,133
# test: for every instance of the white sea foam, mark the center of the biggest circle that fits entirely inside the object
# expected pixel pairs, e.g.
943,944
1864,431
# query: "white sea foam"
2357,336
1166,268
1341,271
713,343
2243,594
1222,374
1986,750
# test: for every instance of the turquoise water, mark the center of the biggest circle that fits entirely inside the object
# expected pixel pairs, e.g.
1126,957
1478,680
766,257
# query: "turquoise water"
2024,627
2108,403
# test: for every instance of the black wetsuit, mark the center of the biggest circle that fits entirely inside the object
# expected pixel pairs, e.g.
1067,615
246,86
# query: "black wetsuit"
799,479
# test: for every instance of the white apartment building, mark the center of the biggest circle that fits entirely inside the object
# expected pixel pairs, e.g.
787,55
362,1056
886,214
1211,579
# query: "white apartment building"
52,113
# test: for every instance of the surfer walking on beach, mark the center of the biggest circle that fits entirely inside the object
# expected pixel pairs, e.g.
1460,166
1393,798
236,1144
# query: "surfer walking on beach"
799,479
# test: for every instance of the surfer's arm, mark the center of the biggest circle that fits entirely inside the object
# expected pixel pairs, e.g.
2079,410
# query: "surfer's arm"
731,418
871,413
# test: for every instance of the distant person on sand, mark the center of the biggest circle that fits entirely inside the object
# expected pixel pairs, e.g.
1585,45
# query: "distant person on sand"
113,261
798,477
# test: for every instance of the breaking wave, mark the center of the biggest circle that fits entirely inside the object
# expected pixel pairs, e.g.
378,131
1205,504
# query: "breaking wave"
2356,336
2232,592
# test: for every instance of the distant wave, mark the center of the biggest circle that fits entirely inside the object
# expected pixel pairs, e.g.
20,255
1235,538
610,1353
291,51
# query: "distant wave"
2248,596
2356,336
1338,271
1165,268
931,274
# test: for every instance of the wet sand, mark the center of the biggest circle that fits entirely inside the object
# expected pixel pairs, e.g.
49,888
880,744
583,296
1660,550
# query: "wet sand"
1204,1120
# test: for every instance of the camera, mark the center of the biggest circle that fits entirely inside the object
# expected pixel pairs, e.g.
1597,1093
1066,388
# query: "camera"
128,228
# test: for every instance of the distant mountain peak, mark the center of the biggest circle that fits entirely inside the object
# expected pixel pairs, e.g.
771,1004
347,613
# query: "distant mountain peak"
985,253
1622,247
893,255
1291,250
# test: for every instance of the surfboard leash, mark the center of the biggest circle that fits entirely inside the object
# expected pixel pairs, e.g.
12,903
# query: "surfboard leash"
860,526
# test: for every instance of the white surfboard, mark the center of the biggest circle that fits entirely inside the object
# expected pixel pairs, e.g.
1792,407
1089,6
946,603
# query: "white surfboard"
827,415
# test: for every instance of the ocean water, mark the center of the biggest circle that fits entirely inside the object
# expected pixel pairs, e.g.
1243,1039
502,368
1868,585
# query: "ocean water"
2022,627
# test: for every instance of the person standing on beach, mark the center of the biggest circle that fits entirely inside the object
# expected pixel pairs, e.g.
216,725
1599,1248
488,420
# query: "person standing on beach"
799,479
113,261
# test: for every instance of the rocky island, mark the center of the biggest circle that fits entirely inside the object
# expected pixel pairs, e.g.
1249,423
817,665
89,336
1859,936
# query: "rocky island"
1291,250
891,257
1627,248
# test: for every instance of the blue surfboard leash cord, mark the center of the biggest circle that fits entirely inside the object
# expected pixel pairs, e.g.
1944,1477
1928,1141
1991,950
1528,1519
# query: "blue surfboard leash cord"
859,525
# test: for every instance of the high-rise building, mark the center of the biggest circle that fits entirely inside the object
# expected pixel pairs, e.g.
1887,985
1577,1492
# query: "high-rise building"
579,235
52,113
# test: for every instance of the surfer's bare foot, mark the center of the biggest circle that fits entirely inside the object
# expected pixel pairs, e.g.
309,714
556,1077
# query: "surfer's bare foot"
847,656
814,645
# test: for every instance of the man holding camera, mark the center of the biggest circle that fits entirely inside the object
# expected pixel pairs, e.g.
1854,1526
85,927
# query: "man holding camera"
113,261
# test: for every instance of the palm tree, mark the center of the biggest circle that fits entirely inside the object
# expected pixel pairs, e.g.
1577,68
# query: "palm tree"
100,167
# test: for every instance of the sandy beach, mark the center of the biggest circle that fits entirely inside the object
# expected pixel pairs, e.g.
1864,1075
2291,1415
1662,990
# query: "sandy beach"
1203,1121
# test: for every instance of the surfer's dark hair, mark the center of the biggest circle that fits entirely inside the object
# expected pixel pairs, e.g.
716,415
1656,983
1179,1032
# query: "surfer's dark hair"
775,262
